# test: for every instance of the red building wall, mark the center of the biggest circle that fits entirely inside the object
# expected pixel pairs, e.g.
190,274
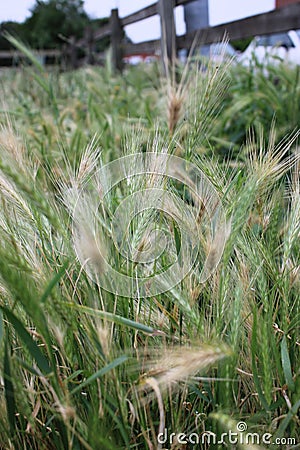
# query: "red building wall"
280,3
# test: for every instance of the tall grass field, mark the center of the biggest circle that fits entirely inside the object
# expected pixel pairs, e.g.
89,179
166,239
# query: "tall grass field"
153,302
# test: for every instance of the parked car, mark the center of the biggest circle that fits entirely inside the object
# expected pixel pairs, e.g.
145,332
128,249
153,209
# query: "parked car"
273,49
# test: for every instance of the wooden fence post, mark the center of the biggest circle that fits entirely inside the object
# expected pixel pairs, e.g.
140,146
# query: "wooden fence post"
73,52
89,37
116,40
168,33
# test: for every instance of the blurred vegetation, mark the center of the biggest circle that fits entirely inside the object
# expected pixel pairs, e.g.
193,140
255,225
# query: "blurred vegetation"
241,44
256,96
49,22
84,368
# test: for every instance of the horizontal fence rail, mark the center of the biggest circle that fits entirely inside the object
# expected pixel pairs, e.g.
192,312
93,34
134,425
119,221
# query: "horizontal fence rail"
15,54
44,53
144,13
278,20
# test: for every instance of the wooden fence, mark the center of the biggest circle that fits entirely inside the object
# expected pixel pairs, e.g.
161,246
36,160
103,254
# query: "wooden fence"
278,20
13,57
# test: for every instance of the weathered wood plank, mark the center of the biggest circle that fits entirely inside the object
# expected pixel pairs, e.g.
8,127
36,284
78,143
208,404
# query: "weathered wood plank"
142,47
276,21
103,32
168,32
182,2
16,53
116,40
142,14
99,34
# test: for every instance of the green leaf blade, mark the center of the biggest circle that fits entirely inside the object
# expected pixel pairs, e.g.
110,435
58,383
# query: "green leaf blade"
31,345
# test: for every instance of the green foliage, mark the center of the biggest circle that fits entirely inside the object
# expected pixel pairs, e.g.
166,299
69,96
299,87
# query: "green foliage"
50,20
13,28
84,368
241,44
257,95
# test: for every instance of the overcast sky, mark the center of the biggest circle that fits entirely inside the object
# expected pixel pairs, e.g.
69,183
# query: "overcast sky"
220,11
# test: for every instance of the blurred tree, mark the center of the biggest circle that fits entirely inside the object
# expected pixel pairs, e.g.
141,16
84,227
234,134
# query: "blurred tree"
51,18
14,28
